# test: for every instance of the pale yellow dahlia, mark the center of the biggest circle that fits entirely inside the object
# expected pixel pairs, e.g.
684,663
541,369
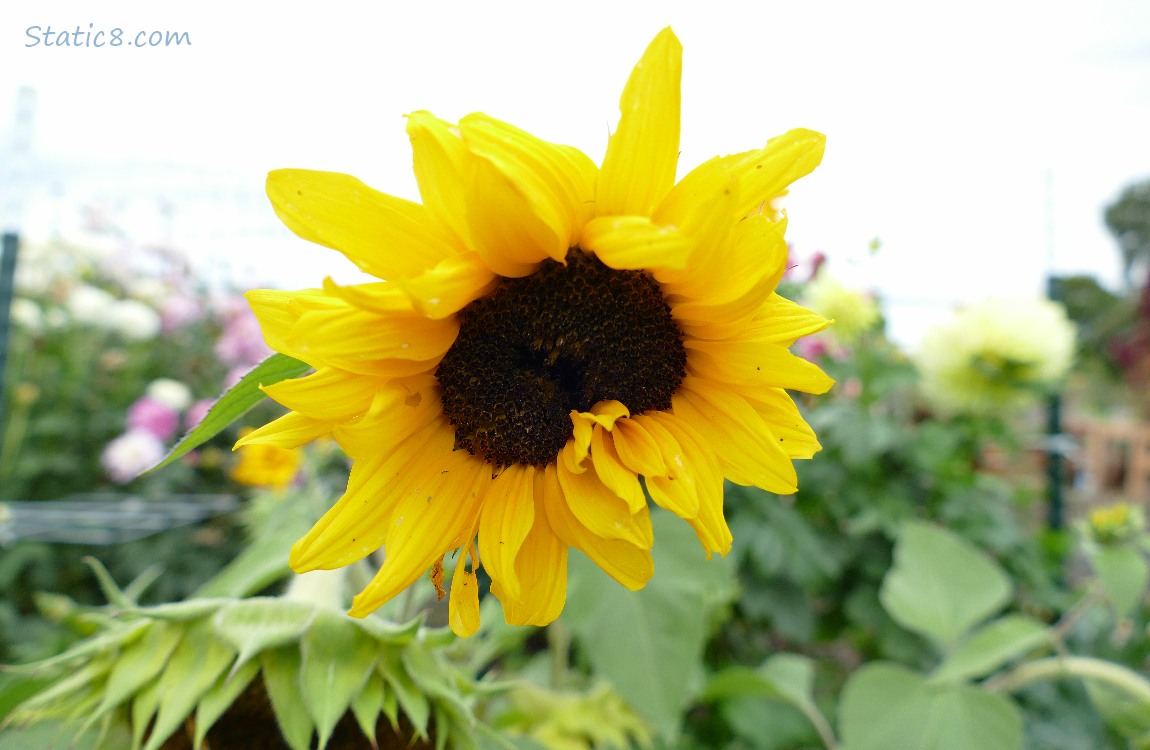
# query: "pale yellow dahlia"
552,343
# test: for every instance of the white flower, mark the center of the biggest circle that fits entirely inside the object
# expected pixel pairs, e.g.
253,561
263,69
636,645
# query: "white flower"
171,393
999,353
89,305
27,314
133,320
131,453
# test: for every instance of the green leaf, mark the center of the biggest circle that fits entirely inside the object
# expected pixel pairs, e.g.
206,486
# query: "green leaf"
992,646
649,643
411,699
886,706
193,668
185,611
220,697
367,705
140,663
255,625
1124,573
337,658
940,585
281,669
236,402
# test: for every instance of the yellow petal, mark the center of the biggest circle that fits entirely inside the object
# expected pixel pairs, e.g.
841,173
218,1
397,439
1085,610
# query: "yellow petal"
636,243
778,409
440,159
507,515
764,175
643,152
614,475
558,181
327,393
676,489
463,607
637,449
427,521
601,511
361,341
277,312
747,451
289,431
709,523
505,230
357,524
397,412
783,322
754,364
542,571
631,566
385,236
449,287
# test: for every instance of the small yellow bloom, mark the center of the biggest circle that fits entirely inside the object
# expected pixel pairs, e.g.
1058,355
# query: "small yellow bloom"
546,331
266,465
1116,522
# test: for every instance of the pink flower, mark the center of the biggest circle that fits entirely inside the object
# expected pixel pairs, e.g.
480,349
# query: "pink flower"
131,453
196,413
178,310
242,343
154,417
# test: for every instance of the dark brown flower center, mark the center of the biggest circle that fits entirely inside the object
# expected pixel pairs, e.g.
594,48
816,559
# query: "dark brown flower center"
563,338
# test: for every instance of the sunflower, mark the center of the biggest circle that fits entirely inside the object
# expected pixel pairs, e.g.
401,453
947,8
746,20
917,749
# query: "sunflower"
551,344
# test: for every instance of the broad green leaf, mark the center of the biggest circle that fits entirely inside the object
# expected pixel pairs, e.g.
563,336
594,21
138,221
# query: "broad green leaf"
199,659
220,697
992,646
1124,573
236,402
255,625
886,706
940,585
336,659
281,671
793,676
738,682
649,643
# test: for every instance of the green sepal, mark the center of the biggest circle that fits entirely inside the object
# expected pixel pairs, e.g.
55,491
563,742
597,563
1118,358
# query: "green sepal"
139,663
336,659
193,668
255,625
220,697
367,705
411,699
281,668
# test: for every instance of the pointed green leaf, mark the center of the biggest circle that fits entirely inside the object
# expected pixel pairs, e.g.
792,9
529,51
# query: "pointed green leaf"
108,640
143,709
236,402
337,657
940,585
255,625
220,697
281,669
108,586
1124,574
195,665
411,699
367,705
992,646
61,696
886,706
138,664
142,582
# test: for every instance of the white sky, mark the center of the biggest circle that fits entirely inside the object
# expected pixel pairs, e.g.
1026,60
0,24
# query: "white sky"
979,140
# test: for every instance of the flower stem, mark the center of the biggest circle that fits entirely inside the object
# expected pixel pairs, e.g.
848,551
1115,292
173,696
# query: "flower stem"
559,641
1083,667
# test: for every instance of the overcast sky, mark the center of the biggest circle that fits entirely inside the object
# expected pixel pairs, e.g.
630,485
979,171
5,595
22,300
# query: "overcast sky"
978,140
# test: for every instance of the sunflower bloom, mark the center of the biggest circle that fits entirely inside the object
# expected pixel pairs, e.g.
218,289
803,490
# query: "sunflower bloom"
551,344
